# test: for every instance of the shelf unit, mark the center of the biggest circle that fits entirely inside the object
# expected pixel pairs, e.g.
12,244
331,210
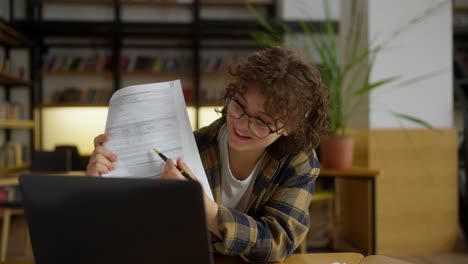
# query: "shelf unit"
196,37
15,116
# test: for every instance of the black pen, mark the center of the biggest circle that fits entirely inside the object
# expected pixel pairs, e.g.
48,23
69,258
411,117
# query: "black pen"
163,157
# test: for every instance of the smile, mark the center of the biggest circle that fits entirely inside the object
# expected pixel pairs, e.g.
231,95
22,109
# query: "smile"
240,135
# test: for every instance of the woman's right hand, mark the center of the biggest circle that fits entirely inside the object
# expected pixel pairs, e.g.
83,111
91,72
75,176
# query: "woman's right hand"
102,160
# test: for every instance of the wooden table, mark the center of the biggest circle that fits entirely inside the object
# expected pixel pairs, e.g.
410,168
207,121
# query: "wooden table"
317,258
376,259
358,174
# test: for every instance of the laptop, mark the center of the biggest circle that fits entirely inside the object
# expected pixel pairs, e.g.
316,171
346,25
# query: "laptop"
94,220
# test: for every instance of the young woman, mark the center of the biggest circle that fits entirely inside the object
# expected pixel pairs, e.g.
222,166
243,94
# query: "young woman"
259,156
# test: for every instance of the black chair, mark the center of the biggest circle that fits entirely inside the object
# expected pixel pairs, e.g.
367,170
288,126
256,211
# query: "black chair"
77,162
51,161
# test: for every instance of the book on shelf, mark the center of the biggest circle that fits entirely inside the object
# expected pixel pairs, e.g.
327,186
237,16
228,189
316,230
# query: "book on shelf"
155,63
13,69
143,63
76,63
11,111
78,95
13,155
10,194
134,62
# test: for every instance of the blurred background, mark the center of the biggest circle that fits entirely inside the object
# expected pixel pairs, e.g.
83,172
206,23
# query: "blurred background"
397,71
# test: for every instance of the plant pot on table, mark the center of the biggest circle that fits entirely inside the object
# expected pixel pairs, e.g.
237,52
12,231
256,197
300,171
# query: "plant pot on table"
336,152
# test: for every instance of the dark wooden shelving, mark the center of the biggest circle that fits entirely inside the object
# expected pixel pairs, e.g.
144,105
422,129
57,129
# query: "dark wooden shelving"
165,2
11,77
8,79
15,124
175,74
122,2
107,74
9,170
51,105
460,9
106,29
91,2
11,37
114,33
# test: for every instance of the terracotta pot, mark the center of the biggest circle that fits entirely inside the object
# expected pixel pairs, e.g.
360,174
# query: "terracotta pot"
336,152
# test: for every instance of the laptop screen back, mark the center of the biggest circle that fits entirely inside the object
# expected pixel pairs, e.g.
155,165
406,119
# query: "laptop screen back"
95,220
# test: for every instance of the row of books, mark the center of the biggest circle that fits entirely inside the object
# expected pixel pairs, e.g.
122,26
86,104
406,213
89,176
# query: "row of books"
133,63
206,95
76,95
13,155
162,63
10,194
82,63
11,110
9,68
212,93
81,95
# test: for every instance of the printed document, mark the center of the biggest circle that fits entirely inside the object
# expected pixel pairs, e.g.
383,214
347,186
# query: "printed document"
143,117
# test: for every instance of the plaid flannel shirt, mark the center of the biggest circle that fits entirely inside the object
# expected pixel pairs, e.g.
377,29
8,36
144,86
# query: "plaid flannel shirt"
277,217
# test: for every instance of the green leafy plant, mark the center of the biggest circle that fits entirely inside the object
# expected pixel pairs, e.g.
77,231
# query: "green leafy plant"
342,76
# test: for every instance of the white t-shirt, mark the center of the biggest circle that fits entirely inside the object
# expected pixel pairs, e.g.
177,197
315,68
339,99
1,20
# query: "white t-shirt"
234,193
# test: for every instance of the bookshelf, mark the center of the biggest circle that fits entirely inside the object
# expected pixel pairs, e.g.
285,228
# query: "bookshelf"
191,42
16,97
163,2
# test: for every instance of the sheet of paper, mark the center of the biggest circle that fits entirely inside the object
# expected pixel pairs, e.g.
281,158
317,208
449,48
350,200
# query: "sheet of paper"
143,117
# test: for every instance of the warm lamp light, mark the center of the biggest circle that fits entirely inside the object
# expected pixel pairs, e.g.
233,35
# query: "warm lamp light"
79,125
208,115
72,126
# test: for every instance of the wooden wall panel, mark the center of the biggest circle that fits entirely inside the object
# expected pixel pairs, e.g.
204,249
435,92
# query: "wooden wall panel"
354,213
416,193
353,204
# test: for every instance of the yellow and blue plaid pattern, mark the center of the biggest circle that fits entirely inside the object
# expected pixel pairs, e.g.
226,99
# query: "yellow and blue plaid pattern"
277,217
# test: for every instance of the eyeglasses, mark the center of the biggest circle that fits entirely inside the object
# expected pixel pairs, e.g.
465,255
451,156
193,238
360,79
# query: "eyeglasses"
257,126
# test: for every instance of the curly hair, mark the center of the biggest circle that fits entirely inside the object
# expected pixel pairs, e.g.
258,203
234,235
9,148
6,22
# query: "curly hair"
294,91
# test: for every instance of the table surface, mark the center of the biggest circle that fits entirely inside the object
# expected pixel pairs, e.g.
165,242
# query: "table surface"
13,180
315,258
351,172
376,259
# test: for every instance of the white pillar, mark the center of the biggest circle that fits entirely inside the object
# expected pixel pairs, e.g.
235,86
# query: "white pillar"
422,49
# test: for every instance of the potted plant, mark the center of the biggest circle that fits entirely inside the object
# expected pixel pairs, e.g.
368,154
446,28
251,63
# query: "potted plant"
347,76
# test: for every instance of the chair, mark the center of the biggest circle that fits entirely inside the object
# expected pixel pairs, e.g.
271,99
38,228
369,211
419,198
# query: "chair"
9,207
41,161
327,197
76,161
51,161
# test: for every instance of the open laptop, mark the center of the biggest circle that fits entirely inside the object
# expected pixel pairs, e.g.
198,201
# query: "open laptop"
113,220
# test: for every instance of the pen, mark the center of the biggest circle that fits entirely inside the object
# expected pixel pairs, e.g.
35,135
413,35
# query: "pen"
163,157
